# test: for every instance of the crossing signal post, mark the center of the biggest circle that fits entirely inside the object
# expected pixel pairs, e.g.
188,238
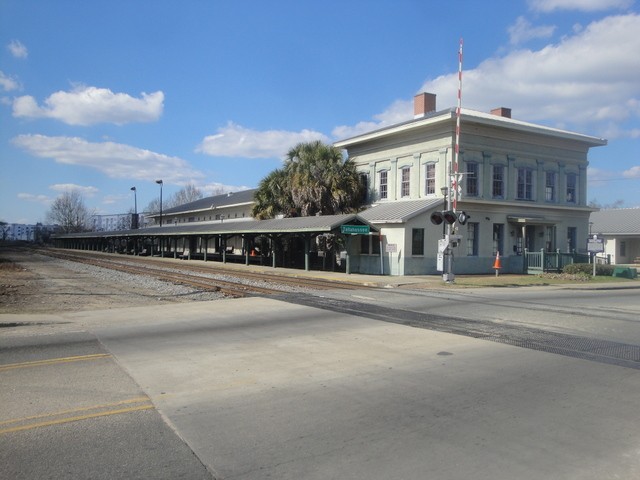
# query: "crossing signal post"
447,218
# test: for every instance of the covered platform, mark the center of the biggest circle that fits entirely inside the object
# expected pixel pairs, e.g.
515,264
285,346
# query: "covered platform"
318,243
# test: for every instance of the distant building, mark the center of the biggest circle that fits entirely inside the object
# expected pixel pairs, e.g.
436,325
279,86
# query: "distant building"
620,230
15,232
113,222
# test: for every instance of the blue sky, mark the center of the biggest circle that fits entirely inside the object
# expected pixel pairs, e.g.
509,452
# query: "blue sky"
101,96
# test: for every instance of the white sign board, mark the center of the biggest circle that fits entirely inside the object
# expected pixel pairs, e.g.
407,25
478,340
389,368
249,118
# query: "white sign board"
391,248
595,245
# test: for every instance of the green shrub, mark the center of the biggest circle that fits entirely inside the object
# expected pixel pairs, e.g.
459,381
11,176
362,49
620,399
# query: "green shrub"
587,268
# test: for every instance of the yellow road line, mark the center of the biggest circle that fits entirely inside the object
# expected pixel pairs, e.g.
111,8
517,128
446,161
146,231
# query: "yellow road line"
74,419
76,410
53,361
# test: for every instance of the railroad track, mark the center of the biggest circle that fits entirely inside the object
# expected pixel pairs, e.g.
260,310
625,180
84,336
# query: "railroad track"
200,277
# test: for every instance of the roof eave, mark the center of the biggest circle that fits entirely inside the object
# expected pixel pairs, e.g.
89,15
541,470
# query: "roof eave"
470,116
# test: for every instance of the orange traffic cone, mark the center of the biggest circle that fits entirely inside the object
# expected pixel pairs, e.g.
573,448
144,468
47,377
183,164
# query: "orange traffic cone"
497,265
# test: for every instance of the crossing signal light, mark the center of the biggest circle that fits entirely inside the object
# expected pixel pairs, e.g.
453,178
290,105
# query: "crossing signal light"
463,217
449,217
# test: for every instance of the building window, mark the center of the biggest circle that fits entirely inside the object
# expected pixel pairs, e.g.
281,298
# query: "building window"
525,184
370,244
498,238
375,244
430,179
623,249
417,241
364,244
550,187
571,187
383,184
472,238
405,186
364,184
571,239
471,179
498,181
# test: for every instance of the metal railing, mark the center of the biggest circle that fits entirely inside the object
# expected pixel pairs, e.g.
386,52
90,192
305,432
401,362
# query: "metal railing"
540,262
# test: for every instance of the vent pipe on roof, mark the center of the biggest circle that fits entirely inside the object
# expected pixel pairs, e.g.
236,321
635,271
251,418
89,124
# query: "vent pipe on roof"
423,103
502,112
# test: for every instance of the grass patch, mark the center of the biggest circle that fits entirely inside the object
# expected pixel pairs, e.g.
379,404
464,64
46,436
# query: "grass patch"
544,279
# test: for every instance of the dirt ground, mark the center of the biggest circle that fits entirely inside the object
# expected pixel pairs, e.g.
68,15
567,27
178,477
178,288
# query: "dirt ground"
33,283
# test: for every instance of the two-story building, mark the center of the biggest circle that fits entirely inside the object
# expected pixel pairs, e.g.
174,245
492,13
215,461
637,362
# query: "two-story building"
522,186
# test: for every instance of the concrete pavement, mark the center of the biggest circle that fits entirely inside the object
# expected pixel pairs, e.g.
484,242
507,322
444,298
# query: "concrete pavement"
262,389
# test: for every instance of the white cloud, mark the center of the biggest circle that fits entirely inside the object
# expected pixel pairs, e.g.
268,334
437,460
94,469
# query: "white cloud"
398,111
70,187
90,105
211,189
17,49
633,172
113,159
112,199
30,197
581,5
587,82
522,31
7,83
237,141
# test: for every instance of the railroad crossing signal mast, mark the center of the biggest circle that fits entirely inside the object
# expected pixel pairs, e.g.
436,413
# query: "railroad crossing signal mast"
447,218
454,190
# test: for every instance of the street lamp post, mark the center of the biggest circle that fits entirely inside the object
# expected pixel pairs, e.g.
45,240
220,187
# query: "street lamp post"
134,222
159,182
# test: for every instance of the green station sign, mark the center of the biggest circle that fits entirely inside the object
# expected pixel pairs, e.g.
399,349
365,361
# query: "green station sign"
355,229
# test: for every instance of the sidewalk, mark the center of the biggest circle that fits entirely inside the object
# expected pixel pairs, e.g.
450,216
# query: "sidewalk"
396,281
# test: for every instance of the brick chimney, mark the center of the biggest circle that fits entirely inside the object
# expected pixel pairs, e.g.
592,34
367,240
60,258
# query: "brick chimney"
502,112
423,103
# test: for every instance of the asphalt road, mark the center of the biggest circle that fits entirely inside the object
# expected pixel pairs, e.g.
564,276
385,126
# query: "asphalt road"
367,386
69,411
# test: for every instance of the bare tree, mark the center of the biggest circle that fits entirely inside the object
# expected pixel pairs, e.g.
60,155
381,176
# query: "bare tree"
189,193
69,212
153,206
607,206
4,228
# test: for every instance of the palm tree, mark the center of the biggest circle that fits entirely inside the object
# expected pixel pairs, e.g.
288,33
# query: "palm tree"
273,196
316,181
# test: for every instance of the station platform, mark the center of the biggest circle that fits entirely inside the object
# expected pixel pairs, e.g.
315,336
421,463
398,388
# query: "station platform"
388,281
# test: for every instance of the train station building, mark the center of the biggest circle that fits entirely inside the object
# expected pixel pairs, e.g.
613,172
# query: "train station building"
522,188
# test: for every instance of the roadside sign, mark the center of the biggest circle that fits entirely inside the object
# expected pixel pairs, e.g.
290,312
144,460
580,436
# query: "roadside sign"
355,229
595,244
391,248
